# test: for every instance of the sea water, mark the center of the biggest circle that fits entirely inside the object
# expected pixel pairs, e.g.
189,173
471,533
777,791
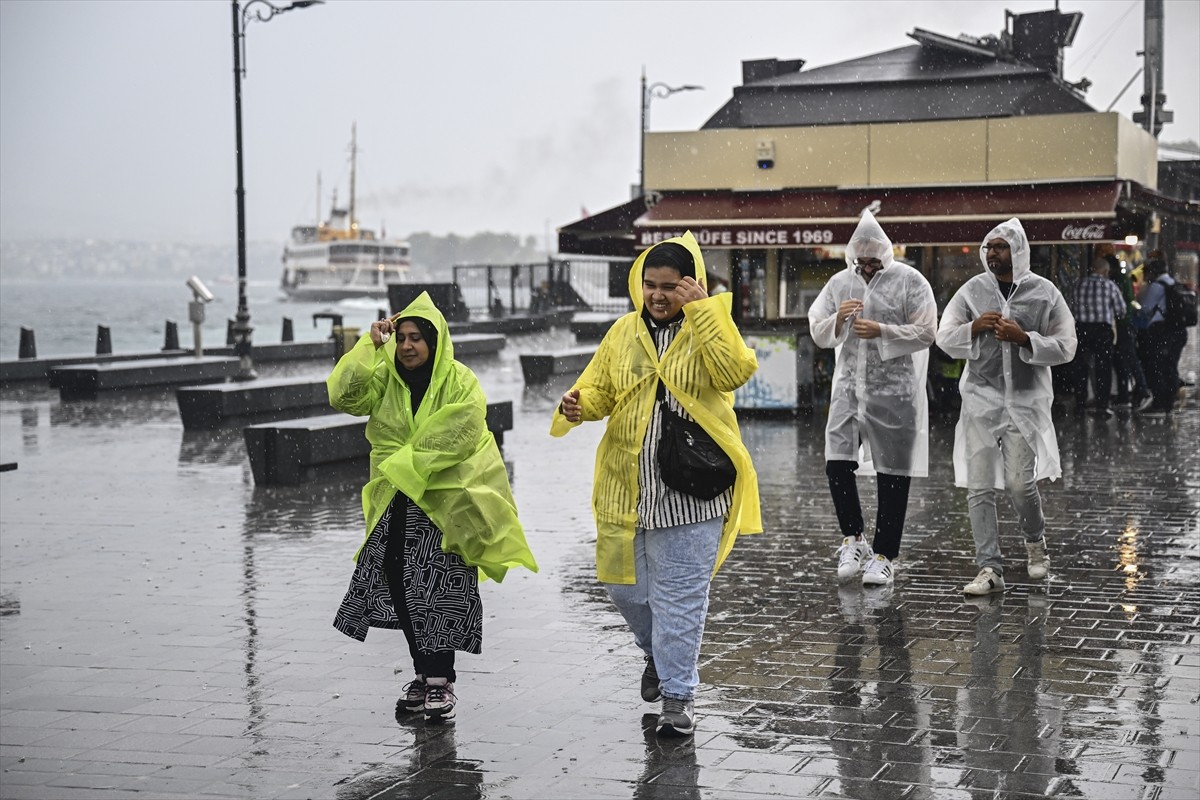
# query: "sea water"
64,315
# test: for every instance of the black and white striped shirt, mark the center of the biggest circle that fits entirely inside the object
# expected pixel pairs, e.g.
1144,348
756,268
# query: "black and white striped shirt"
659,506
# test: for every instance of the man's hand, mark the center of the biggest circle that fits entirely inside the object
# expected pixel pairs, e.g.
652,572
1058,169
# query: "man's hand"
866,328
847,311
1009,331
569,406
985,323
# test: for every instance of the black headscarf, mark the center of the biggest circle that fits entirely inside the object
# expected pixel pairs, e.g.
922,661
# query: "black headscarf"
418,379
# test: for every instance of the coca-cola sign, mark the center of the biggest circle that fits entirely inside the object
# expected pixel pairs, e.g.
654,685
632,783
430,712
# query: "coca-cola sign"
1093,232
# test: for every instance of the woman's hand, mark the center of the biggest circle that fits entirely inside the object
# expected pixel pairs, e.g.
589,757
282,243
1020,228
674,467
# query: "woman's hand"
381,331
689,290
569,406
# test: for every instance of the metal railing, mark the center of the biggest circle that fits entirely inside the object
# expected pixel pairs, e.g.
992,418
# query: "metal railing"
582,283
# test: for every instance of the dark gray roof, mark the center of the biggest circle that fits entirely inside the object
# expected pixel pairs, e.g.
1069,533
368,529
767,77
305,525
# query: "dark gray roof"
903,85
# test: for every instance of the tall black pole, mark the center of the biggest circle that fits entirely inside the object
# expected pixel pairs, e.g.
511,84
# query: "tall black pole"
241,326
642,140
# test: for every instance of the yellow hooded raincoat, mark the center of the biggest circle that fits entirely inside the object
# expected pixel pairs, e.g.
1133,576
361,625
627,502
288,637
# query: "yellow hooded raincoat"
445,459
705,363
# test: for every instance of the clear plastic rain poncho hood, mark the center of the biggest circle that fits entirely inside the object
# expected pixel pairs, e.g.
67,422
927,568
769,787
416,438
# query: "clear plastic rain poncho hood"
878,396
705,363
1005,382
443,458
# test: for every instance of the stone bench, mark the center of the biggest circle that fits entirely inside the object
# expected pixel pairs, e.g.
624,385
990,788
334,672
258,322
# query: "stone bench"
540,367
85,380
212,406
293,451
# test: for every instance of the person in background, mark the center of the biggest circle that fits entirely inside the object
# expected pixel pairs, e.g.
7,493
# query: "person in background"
881,316
1126,361
1011,326
438,506
657,549
1098,305
1160,344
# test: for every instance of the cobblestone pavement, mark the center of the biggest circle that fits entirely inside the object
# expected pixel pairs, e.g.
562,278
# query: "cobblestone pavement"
165,630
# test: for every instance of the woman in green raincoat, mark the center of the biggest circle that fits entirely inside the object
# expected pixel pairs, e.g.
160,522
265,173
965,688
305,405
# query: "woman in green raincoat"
680,353
438,506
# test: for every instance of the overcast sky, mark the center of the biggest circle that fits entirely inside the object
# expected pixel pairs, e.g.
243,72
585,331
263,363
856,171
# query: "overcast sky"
116,118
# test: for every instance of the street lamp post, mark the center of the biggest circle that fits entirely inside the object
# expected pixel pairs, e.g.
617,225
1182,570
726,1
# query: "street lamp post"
262,11
659,90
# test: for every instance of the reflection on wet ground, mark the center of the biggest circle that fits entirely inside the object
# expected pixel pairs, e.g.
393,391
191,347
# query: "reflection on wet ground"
165,630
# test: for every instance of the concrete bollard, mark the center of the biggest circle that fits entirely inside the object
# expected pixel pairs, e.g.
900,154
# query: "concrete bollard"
229,337
28,345
288,334
103,340
171,337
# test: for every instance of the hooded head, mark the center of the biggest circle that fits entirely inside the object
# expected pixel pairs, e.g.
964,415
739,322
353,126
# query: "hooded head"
436,334
869,242
674,257
1018,249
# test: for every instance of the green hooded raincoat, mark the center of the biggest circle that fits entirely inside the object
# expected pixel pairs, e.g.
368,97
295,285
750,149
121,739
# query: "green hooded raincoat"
705,363
445,459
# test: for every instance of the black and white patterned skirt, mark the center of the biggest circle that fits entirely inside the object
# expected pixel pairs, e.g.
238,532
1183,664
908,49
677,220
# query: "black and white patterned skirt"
440,589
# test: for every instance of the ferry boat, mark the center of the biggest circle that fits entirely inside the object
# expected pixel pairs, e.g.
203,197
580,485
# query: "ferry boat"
338,258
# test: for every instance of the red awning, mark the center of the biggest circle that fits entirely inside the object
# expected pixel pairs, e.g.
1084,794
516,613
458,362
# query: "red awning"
941,215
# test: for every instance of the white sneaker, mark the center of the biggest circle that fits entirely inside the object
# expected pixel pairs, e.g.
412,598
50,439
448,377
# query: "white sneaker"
851,555
986,582
1039,562
878,571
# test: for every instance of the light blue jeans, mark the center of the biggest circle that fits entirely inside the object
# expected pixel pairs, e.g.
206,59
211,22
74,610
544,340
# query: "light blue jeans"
666,607
1021,485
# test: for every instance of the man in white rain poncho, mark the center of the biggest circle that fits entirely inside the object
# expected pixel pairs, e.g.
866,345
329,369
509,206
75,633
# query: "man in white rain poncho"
881,317
1011,326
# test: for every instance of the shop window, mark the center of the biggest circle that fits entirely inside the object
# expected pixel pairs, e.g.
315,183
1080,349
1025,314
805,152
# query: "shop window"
952,267
802,274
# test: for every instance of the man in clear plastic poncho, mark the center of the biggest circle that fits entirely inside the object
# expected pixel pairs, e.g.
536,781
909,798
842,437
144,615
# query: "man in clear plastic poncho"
678,353
1011,326
881,317
439,510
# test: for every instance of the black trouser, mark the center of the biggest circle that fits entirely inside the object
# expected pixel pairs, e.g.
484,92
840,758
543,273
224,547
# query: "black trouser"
889,517
1161,348
1095,345
1128,365
431,664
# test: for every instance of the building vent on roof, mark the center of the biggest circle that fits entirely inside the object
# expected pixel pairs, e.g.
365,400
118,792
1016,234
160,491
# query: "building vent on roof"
766,68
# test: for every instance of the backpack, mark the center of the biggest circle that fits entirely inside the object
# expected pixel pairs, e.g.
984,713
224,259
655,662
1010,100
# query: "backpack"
1180,312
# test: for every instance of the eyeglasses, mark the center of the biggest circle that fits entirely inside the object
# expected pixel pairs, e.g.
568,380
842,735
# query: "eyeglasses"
869,263
1001,246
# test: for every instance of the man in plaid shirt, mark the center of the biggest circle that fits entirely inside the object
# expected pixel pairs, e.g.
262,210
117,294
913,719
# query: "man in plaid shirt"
1097,305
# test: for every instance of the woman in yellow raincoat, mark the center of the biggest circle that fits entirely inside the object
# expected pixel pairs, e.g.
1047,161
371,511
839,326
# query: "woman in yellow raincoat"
438,506
656,548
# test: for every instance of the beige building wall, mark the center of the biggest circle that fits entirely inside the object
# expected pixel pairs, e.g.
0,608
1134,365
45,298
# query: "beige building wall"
1057,147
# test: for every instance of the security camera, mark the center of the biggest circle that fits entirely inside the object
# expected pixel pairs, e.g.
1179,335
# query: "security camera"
199,289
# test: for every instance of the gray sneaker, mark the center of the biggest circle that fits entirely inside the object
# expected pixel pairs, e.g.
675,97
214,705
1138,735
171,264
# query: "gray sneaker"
413,699
650,689
677,717
439,700
1039,562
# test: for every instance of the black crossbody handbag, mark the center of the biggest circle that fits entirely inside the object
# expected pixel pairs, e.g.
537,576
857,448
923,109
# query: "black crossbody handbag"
690,461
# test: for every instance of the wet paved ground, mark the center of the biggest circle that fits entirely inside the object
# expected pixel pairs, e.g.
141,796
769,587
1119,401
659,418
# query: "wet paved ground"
166,631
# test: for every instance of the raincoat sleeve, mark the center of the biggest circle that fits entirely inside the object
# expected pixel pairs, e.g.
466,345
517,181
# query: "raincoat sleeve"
1056,344
596,393
357,383
729,361
822,319
954,334
916,334
445,438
